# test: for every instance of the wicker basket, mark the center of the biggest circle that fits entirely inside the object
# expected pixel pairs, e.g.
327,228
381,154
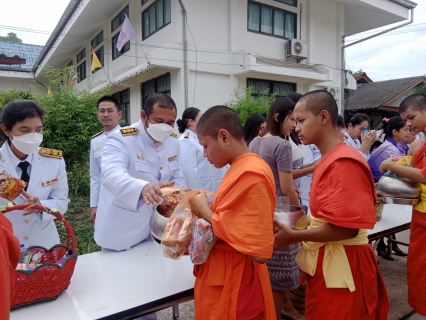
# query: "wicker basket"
379,211
49,279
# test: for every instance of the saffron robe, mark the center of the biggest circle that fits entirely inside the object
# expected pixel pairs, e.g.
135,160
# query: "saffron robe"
243,217
342,193
416,260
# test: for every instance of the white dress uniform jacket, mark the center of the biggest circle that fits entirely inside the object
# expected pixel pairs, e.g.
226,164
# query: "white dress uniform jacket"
312,154
198,172
48,181
356,144
131,160
97,145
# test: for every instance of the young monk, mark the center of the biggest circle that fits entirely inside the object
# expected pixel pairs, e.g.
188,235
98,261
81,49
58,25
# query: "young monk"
234,282
413,111
344,281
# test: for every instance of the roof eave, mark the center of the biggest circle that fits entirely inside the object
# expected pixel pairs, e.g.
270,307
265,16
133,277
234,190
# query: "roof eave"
405,3
69,11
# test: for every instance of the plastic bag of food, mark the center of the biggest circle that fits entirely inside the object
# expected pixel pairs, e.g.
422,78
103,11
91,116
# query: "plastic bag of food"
171,198
402,160
202,242
11,187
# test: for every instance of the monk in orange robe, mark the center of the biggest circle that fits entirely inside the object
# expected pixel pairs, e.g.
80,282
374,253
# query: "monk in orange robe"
9,257
344,281
413,111
234,282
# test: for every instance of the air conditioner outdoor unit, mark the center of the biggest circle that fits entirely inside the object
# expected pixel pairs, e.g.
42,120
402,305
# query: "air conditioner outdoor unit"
335,92
296,48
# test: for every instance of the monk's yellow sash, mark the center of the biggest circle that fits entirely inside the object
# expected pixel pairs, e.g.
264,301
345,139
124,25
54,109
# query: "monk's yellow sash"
421,206
336,268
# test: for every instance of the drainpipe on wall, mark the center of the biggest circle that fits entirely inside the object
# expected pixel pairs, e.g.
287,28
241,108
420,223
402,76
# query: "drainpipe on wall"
185,54
342,97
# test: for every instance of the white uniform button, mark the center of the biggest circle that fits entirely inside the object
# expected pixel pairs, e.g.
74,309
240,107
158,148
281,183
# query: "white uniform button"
160,167
26,220
26,238
156,150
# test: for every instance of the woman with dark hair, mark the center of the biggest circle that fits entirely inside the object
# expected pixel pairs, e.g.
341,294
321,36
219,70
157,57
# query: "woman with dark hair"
43,169
396,131
198,172
355,131
255,126
276,151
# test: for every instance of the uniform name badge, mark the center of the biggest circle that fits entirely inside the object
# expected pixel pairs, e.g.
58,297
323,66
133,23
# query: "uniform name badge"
49,182
173,158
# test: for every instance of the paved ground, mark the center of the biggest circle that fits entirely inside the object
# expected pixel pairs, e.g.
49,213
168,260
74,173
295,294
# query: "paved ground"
394,273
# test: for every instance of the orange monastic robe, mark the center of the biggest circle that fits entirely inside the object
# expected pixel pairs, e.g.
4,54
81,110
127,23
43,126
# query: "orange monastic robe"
9,258
243,221
416,260
342,193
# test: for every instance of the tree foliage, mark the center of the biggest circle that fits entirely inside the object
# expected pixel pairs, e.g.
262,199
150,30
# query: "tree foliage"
11,37
245,104
420,90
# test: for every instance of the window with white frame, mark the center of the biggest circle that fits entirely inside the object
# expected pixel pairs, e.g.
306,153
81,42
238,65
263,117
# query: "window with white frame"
289,2
160,84
270,20
81,65
280,89
97,40
123,97
155,17
119,18
115,52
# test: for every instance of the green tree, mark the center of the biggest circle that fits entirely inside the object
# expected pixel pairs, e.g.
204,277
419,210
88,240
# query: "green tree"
245,104
11,37
420,90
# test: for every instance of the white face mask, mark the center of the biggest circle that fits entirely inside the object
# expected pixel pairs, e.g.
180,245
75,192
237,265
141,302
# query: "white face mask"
159,131
27,143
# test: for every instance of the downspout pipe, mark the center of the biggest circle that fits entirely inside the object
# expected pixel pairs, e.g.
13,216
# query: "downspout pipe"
362,40
185,55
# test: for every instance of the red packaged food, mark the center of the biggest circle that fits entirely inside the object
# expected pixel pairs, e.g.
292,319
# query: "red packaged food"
202,242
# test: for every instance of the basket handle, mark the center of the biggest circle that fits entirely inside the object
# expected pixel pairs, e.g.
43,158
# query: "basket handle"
57,215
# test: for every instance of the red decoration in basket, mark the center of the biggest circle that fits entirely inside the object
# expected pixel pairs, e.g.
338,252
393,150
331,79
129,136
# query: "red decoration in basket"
49,279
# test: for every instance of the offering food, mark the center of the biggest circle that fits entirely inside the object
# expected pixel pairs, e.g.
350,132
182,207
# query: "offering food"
203,240
10,187
171,198
402,160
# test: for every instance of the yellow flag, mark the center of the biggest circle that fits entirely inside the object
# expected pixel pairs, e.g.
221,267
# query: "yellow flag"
95,61
49,93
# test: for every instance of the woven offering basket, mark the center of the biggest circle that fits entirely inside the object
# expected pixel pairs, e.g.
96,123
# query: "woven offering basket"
379,211
48,279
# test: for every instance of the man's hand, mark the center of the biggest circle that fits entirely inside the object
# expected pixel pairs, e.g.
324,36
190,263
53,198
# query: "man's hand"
283,235
34,201
200,206
93,213
151,193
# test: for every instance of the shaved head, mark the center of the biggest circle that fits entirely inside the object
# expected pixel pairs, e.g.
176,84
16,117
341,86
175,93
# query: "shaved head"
319,100
217,118
416,101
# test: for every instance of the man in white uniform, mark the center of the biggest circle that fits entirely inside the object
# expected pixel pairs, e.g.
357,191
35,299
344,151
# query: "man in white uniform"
109,113
136,162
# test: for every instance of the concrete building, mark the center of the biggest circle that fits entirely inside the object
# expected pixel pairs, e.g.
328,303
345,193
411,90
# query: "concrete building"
199,51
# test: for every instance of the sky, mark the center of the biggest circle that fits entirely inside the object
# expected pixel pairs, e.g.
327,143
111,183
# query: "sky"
400,54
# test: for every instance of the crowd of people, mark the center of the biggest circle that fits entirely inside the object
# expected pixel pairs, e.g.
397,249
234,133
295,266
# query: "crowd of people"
301,155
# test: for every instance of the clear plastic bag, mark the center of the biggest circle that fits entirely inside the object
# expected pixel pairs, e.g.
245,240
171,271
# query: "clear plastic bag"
202,242
11,187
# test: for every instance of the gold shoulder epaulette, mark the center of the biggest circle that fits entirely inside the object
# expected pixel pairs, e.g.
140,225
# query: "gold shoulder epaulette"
186,135
97,134
174,135
129,131
52,153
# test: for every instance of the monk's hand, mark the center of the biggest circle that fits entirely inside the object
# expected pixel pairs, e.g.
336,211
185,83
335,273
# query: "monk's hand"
151,193
386,165
200,206
283,235
35,201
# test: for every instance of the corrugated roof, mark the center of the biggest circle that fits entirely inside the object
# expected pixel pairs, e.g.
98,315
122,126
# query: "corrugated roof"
375,94
30,52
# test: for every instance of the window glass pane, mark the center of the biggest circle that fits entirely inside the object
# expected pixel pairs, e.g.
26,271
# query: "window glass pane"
115,53
266,19
281,88
152,19
145,24
167,10
159,11
163,84
126,47
115,23
123,14
125,107
254,17
144,1
125,96
148,88
279,23
259,86
290,25
289,2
